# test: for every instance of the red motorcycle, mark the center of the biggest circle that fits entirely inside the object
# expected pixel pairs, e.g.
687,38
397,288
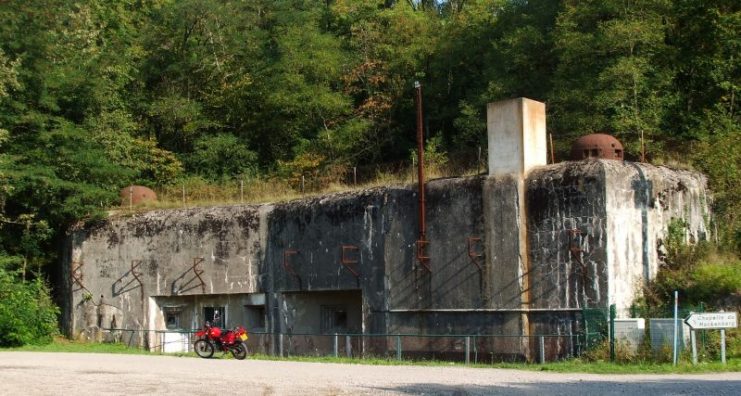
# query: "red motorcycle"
211,338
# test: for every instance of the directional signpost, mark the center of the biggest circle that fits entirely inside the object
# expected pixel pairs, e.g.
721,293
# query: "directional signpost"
711,320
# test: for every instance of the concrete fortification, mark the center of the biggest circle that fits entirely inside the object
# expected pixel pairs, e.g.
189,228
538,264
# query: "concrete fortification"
520,252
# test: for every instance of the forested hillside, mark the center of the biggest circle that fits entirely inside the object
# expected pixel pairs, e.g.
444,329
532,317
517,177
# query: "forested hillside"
95,95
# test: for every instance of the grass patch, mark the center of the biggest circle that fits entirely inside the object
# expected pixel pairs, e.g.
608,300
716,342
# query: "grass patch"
580,366
567,366
61,344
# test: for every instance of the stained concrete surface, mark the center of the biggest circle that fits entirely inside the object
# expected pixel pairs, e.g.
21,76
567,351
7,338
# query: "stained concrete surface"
33,373
572,235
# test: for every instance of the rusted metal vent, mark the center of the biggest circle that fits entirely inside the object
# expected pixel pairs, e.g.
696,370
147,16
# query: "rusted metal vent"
597,145
135,195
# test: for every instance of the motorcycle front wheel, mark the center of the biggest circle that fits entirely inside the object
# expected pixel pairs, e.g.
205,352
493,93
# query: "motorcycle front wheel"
239,351
204,348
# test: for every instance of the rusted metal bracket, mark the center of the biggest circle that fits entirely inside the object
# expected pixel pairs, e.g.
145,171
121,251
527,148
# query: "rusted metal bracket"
77,276
473,254
421,257
286,264
574,247
196,270
347,262
134,265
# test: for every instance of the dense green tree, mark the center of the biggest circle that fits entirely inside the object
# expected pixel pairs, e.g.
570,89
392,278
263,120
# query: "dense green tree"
613,72
707,39
222,157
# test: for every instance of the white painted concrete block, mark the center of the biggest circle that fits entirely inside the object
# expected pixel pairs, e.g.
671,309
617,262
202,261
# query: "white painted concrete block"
517,136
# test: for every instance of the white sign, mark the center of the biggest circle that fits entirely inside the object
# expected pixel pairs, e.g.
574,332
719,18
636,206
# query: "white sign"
712,320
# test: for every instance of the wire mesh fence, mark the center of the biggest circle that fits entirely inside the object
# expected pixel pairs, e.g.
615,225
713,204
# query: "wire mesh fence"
615,339
475,348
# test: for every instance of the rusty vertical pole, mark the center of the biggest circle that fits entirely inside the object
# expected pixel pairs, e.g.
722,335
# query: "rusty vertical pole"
422,242
420,162
553,155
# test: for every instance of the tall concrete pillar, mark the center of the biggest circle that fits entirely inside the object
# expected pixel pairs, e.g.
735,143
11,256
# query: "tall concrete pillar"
517,143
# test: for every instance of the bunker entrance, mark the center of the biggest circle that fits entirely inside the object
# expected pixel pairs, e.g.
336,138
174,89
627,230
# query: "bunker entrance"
312,319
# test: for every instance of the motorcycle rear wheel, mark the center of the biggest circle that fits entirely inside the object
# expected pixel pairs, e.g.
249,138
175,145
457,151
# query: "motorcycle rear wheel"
239,351
204,348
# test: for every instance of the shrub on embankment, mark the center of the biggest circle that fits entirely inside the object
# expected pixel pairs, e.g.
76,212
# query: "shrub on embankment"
27,313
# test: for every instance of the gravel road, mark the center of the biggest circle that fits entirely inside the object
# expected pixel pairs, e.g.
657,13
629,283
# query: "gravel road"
35,373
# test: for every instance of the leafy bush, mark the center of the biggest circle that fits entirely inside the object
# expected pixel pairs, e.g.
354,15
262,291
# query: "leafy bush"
27,314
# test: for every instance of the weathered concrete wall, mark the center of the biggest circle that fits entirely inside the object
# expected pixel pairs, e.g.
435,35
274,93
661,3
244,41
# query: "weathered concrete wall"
566,229
583,245
641,201
454,213
164,243
304,252
596,227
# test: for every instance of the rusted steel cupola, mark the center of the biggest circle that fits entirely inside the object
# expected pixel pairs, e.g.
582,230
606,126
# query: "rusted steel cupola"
597,145
135,195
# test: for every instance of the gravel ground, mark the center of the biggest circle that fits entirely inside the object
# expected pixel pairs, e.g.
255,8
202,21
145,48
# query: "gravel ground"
35,373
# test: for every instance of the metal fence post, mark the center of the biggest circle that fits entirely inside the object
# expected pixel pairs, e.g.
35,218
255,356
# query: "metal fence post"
348,346
468,350
542,350
613,314
398,347
280,344
336,345
693,340
676,330
723,346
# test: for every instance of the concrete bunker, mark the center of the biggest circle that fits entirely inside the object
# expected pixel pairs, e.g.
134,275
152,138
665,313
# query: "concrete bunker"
516,254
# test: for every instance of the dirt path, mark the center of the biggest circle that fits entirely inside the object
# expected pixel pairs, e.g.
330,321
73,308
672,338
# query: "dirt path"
31,373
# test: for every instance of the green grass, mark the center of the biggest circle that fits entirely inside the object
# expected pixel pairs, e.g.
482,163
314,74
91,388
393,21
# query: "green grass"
567,366
578,366
64,345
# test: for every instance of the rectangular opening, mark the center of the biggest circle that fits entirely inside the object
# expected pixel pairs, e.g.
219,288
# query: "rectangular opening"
324,312
215,316
334,319
255,317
